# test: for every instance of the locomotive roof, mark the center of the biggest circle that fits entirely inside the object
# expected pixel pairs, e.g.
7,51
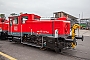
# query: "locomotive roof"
31,14
26,15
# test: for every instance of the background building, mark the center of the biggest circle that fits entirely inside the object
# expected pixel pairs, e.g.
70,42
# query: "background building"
85,23
72,19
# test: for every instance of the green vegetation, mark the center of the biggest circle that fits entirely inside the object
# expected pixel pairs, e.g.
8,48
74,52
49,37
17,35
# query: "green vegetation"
2,15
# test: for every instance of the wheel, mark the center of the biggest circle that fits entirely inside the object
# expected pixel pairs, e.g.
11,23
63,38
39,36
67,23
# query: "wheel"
57,50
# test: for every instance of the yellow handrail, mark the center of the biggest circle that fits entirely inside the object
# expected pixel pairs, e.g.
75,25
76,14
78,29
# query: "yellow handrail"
75,26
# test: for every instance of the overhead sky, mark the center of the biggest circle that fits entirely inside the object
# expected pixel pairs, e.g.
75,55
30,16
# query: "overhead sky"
46,7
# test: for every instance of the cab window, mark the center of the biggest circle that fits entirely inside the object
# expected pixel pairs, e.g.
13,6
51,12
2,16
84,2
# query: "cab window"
15,21
36,18
24,18
11,22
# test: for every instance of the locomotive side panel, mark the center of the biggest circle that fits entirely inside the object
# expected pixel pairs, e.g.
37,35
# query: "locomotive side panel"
63,27
39,27
59,25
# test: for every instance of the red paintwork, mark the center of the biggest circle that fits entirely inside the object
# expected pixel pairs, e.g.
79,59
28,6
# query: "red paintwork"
41,26
62,18
4,25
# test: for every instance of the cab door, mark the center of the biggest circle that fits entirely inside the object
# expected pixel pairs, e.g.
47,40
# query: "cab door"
16,26
10,26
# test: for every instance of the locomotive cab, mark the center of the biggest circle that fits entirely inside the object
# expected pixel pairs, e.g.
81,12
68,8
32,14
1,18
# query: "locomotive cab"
15,23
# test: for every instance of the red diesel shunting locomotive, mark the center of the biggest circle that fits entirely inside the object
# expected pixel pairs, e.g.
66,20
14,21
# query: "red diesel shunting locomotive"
29,29
3,28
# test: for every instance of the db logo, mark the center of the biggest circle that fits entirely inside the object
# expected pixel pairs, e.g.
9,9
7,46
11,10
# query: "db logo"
15,28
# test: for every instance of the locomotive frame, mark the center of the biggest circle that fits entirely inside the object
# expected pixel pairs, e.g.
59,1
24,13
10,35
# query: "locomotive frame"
53,34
